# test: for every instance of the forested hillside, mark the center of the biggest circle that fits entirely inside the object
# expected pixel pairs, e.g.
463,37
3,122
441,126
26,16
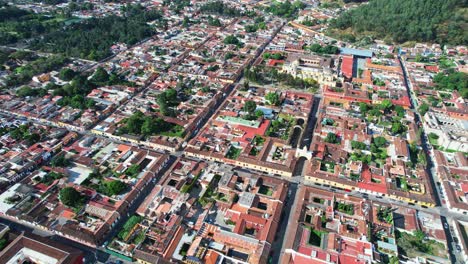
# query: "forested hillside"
92,38
441,21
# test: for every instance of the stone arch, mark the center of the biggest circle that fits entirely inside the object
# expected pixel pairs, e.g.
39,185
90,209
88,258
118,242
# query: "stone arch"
304,153
300,121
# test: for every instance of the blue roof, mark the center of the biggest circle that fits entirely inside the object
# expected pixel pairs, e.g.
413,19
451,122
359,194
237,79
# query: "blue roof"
267,112
356,52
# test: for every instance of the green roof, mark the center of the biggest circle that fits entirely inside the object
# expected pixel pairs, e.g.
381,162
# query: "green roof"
239,121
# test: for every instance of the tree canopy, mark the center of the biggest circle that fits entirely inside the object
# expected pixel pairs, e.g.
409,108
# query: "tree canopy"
329,49
286,9
114,187
70,197
220,8
410,20
331,138
92,38
18,24
28,91
250,107
273,98
139,124
233,40
60,161
167,100
453,81
25,73
67,74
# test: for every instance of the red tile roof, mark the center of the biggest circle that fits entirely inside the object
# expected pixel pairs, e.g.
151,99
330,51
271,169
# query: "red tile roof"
347,66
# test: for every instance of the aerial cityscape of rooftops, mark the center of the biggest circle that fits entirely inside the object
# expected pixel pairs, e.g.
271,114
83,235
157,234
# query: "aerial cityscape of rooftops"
234,132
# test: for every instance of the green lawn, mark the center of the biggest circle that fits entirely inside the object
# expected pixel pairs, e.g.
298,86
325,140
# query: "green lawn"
414,245
233,153
434,141
318,200
183,250
344,208
254,151
128,226
266,190
354,177
176,131
327,166
315,237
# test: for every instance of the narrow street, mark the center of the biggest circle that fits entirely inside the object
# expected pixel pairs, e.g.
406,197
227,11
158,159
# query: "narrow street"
192,45
446,216
289,206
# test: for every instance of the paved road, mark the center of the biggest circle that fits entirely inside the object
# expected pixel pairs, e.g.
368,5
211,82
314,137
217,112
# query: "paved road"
446,215
138,200
289,206
306,139
93,254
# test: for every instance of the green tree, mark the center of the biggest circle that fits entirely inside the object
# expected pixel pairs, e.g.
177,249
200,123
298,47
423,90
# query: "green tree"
115,187
259,113
220,8
246,85
452,81
59,161
407,20
380,141
375,112
92,38
250,107
273,98
67,74
186,22
397,128
166,101
419,234
100,76
33,138
363,107
433,136
3,243
70,197
358,145
133,170
215,22
386,105
399,110
394,260
25,91
277,56
331,138
149,127
423,108
232,40
285,9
